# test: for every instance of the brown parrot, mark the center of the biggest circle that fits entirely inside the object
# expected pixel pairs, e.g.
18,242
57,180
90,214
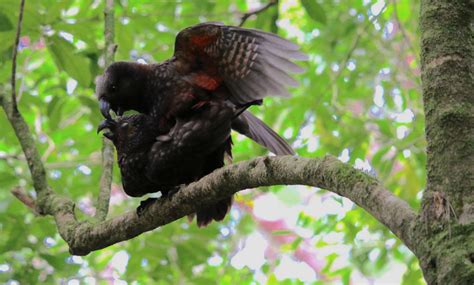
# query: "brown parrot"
151,161
211,62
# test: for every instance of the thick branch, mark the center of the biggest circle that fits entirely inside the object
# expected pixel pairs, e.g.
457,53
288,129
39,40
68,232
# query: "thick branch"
107,146
328,173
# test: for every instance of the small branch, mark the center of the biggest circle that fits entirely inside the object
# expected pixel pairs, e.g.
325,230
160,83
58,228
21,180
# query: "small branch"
25,198
328,173
15,51
407,39
411,47
12,156
342,65
247,15
355,44
107,146
20,127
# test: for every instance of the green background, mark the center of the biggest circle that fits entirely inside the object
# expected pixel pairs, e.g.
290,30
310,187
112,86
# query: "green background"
359,99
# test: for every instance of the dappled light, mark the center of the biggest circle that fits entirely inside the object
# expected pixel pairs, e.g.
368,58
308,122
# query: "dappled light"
359,100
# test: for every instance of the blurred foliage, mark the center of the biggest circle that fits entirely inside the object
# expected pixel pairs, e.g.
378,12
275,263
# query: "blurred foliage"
359,100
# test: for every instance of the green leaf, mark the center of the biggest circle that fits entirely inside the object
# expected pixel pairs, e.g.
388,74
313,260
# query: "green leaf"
314,10
7,38
5,24
66,58
55,112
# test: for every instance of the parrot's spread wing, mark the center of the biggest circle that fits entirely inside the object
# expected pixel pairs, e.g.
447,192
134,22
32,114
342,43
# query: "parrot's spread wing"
252,64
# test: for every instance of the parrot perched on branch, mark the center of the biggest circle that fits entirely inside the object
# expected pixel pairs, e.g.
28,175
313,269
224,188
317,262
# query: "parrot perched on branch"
195,146
189,104
211,62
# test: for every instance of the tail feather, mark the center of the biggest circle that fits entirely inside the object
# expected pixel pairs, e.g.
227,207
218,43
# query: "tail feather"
216,212
252,127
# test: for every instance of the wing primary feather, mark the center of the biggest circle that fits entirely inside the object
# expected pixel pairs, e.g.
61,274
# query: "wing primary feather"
281,62
291,54
279,75
257,130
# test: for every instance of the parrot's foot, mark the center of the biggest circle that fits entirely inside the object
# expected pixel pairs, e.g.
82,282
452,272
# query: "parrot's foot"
170,193
144,205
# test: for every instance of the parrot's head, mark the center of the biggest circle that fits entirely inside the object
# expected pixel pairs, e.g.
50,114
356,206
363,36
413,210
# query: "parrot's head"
129,133
121,88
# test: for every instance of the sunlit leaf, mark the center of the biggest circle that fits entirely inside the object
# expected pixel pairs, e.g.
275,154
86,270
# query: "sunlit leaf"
314,10
67,59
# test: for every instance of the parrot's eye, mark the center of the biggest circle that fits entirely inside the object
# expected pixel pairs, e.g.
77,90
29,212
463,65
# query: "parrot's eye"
113,87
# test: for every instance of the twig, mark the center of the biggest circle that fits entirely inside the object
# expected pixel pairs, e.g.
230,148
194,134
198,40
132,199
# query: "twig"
15,51
409,43
25,198
12,156
403,31
247,15
107,146
356,42
334,88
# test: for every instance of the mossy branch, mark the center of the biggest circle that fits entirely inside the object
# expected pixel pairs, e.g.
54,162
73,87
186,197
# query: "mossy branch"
328,173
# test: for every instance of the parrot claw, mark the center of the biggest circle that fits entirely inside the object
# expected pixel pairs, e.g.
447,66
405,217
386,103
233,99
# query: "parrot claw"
108,124
170,193
144,205
163,138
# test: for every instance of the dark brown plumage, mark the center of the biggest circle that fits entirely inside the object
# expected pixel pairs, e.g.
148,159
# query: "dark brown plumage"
211,62
152,161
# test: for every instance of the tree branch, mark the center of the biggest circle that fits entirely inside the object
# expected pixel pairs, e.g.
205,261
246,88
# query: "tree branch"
107,146
15,51
247,15
328,173
25,198
19,125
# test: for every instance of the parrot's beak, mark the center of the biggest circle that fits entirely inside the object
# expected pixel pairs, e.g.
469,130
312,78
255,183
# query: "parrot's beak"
108,124
105,109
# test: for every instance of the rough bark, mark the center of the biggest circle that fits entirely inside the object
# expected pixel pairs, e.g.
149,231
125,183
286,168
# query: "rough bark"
328,173
447,251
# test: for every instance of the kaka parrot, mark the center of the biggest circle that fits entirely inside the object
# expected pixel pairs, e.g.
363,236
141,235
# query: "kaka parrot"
196,145
211,62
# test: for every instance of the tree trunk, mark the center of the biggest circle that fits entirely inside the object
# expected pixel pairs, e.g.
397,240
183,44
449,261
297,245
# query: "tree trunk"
446,240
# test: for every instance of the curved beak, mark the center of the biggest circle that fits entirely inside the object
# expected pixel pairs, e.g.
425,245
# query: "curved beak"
107,124
105,109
